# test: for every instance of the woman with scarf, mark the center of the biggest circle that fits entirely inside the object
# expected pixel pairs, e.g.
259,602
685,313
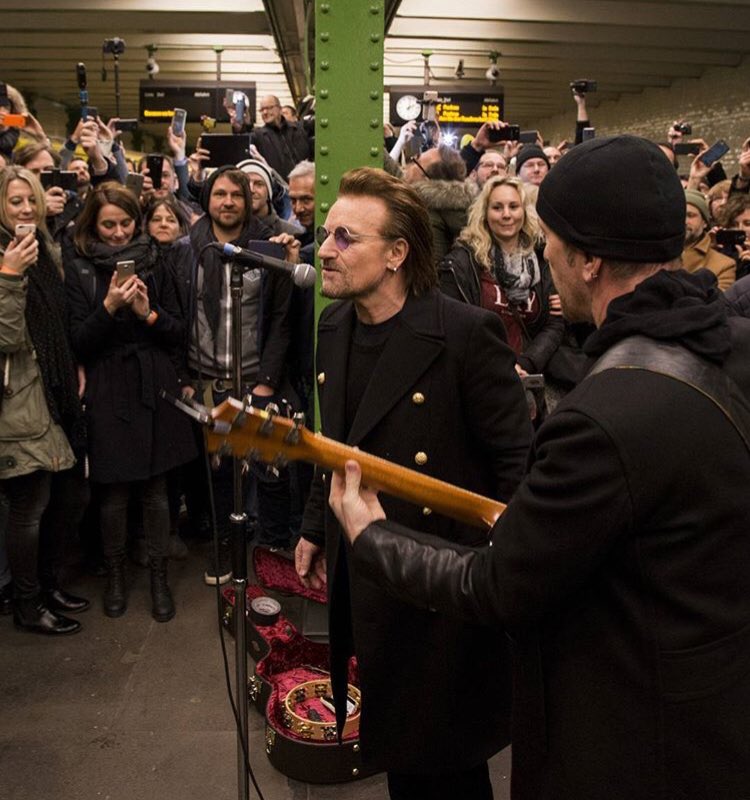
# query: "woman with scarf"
498,264
123,325
39,404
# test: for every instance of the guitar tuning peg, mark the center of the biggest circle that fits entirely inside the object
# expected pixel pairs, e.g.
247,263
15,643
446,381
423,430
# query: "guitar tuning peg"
280,462
272,410
293,435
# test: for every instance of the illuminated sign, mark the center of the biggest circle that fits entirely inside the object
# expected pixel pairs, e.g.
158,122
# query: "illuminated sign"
455,106
158,99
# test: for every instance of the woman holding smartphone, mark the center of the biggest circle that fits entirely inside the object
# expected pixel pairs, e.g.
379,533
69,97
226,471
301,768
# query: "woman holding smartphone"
39,404
124,319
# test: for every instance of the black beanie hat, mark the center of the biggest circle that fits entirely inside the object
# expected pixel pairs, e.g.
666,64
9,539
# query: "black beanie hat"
616,197
530,151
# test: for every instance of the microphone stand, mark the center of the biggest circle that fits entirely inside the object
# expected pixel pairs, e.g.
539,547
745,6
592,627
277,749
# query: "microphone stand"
238,526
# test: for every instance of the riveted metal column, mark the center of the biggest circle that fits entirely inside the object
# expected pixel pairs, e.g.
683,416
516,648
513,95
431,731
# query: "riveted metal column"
348,96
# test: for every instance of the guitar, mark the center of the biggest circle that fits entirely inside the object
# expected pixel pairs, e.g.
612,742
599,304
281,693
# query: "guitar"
247,432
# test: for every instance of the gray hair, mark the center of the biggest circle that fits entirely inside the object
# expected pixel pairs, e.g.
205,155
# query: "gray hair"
305,169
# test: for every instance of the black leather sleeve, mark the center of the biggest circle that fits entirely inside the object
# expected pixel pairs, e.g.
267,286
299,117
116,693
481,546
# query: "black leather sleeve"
559,527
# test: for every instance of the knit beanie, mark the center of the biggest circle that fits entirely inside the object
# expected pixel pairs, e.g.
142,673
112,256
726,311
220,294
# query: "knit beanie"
616,197
699,201
530,151
254,167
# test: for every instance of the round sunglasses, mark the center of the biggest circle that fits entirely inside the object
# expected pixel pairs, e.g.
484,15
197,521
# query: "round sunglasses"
342,237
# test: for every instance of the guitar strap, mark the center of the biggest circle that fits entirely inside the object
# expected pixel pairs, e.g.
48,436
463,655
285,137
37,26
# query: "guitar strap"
680,364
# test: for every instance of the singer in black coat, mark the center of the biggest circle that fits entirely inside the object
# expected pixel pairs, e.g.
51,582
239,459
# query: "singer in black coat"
445,400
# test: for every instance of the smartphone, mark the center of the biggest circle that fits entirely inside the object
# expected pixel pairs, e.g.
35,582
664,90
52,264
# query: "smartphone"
510,133
24,228
13,120
134,182
65,179
588,133
125,270
126,125
730,237
92,112
155,164
535,381
717,150
178,121
239,108
527,137
686,148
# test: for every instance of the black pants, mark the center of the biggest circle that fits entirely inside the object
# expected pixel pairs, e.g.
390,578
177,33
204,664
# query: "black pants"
469,784
28,496
113,505
69,498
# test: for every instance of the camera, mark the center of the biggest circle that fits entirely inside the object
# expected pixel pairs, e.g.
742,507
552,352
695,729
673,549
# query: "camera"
114,46
583,86
493,73
730,237
152,67
684,127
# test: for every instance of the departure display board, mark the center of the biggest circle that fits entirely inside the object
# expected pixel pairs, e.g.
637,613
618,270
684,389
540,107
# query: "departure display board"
158,99
455,106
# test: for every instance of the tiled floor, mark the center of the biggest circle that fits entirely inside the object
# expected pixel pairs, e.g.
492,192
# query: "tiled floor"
130,709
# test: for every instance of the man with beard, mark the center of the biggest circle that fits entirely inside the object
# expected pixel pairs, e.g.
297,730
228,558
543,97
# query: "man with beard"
698,253
227,201
411,375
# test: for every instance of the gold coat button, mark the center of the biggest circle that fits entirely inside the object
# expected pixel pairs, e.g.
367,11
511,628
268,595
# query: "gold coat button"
321,378
426,511
420,458
417,398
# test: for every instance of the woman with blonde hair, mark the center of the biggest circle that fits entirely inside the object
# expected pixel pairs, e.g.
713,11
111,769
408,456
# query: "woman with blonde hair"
498,264
40,409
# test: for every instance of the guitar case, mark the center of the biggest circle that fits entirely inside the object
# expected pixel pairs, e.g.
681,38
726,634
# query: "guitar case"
285,659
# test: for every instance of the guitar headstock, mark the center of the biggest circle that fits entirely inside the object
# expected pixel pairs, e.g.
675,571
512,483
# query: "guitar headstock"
262,435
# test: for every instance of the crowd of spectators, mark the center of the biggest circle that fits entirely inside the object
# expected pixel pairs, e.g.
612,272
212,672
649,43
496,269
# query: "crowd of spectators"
112,289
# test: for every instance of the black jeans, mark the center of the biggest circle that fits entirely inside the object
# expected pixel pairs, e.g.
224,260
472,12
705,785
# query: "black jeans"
28,496
468,784
69,498
113,506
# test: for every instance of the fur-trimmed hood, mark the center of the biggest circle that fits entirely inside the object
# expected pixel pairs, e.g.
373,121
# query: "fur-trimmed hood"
447,195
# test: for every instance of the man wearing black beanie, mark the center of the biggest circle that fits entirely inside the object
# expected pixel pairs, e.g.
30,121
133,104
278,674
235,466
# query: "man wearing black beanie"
620,567
532,164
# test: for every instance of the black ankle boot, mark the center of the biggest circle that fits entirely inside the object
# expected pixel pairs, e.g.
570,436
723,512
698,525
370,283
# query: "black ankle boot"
33,616
115,595
58,600
162,604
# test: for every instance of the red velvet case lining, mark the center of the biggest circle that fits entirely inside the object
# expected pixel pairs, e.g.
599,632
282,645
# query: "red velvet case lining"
292,659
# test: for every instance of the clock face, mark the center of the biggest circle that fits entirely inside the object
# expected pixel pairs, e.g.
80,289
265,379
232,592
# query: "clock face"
408,107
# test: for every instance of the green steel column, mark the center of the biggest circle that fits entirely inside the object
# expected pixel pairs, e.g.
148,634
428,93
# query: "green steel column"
348,96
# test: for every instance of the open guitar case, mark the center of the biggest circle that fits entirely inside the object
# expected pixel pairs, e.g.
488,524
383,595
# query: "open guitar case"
285,658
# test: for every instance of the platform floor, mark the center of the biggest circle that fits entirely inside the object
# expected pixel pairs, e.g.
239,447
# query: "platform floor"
130,709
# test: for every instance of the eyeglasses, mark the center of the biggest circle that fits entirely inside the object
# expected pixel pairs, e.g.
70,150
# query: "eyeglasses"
342,237
269,108
415,160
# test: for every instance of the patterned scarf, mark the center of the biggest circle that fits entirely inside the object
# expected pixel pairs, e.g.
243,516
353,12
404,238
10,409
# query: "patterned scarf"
516,273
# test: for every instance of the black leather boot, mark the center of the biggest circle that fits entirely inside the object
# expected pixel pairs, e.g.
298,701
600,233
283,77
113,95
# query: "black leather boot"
115,595
59,600
33,616
162,604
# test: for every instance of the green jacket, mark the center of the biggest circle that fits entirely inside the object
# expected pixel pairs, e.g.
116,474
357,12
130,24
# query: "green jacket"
29,439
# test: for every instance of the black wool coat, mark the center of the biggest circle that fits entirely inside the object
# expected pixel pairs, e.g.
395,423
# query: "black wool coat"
435,692
133,434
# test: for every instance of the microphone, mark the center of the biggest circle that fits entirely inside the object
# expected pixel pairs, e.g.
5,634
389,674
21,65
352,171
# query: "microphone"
302,275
